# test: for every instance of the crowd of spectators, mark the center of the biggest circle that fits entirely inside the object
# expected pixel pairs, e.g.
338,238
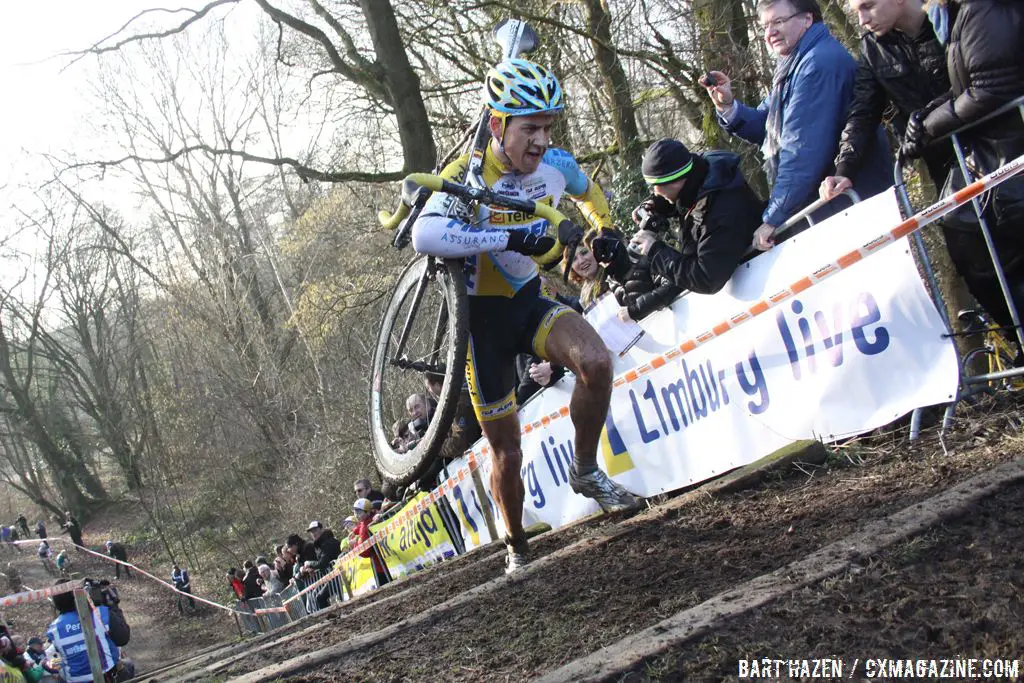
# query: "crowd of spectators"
301,561
926,69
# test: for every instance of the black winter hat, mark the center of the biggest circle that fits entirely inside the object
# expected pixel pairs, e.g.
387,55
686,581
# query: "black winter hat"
666,160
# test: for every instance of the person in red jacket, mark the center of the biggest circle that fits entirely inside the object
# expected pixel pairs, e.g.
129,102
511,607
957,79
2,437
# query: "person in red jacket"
236,583
364,512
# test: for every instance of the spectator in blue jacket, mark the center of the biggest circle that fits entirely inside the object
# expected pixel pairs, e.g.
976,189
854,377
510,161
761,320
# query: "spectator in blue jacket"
798,123
65,632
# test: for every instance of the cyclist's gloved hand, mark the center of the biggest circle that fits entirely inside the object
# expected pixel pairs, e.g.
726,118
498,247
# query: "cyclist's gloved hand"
525,242
916,139
569,233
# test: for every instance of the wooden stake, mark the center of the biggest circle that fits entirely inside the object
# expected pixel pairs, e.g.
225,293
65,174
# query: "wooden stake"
84,609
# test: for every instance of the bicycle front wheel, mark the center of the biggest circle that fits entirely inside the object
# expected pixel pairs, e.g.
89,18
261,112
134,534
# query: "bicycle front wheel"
423,333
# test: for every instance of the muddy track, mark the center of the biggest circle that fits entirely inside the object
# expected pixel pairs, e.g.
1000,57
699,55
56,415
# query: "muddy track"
663,565
955,591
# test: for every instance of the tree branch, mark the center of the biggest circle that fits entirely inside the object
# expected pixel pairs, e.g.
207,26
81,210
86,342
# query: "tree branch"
196,16
304,172
353,73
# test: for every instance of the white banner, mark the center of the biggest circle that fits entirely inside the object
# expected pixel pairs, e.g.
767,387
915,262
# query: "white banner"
844,357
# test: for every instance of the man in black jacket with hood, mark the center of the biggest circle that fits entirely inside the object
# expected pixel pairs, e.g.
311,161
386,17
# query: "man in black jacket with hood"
718,214
985,65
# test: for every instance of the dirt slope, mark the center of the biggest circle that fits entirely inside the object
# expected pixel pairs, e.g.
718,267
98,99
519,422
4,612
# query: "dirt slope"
665,562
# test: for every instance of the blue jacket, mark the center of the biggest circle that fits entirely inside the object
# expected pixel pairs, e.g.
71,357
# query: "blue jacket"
67,637
816,99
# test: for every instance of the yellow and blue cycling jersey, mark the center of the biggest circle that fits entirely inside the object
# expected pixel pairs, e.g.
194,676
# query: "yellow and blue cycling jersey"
509,313
494,271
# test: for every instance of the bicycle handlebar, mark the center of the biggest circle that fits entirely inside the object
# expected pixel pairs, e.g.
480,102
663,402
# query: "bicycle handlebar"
390,221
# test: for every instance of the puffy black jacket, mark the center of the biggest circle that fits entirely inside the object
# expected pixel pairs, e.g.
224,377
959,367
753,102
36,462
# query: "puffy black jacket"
251,582
900,74
985,60
715,231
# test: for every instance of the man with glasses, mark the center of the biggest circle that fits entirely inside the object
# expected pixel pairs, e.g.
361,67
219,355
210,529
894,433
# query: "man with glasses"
798,123
364,489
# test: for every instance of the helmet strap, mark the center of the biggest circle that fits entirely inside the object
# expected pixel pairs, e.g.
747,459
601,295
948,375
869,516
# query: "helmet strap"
503,117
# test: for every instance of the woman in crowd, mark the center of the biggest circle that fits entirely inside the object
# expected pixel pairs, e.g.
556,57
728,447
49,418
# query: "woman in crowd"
586,274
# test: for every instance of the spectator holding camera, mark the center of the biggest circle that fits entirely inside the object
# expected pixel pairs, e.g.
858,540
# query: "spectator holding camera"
717,211
798,123
112,633
637,287
985,65
420,408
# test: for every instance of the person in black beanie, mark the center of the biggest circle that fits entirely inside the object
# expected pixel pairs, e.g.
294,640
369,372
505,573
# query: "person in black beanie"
717,211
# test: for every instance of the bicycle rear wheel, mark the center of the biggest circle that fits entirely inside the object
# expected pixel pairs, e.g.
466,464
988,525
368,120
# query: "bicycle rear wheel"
425,329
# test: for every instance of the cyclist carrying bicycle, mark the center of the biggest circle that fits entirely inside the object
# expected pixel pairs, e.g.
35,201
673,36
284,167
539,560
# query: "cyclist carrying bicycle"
508,313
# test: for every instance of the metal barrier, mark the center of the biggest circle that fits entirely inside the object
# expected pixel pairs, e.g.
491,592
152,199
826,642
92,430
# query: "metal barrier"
294,608
786,230
907,208
274,619
248,621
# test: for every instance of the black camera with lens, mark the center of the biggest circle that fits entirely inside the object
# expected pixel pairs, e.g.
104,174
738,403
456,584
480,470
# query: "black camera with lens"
101,592
418,427
652,221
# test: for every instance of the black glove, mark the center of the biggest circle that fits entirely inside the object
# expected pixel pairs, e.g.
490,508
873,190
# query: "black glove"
916,138
529,244
610,252
569,233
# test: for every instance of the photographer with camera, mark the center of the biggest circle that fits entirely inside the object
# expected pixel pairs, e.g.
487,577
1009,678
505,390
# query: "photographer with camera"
112,633
717,211
637,287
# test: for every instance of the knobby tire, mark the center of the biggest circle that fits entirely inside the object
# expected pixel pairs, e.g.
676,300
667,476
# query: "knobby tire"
404,468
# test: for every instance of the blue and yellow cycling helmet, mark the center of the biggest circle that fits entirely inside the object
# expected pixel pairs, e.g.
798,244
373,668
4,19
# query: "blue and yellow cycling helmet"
517,87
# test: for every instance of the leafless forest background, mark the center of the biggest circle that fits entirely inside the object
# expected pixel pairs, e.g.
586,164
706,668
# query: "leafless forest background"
204,352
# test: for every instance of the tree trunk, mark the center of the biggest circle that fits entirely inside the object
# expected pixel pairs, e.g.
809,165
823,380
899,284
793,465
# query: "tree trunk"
402,84
615,82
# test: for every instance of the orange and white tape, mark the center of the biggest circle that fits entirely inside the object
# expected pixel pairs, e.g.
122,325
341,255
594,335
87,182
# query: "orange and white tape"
26,597
133,567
